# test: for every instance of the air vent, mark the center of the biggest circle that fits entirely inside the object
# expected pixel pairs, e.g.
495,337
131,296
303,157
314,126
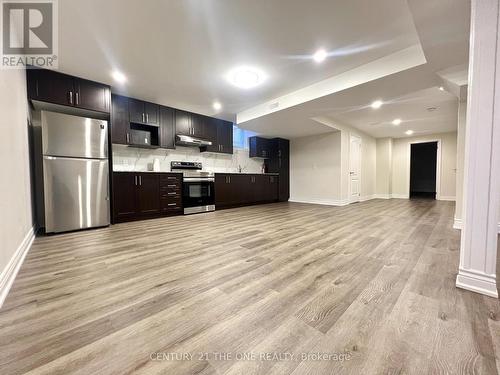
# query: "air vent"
274,105
431,109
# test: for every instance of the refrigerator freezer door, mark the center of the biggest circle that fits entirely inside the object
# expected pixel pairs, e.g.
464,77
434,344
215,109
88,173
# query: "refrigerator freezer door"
76,193
73,136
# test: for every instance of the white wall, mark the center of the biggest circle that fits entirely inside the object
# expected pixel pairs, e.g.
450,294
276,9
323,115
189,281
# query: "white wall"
16,219
315,169
462,115
384,167
400,164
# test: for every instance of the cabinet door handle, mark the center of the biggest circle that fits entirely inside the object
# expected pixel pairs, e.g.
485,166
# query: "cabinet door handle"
172,204
128,138
171,178
135,180
171,193
147,117
70,94
140,180
77,98
171,185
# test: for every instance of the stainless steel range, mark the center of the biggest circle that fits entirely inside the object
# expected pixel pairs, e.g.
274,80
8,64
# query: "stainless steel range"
197,187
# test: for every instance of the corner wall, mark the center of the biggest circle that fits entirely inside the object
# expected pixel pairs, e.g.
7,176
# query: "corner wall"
16,218
315,168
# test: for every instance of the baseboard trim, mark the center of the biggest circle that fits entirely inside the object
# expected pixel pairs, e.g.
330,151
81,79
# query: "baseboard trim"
457,224
383,196
446,198
325,202
9,274
400,196
367,198
477,282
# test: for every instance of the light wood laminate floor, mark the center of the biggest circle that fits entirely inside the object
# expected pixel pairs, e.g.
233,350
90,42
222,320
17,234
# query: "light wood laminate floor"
370,285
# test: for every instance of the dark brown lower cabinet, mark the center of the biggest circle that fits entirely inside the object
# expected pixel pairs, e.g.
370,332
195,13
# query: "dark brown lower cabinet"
233,189
138,196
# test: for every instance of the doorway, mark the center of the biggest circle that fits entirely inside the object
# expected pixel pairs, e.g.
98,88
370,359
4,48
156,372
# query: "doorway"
424,170
354,169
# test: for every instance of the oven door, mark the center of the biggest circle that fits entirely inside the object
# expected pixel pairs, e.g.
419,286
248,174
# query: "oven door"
198,193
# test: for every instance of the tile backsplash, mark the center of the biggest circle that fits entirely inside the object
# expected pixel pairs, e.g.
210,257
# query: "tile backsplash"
137,159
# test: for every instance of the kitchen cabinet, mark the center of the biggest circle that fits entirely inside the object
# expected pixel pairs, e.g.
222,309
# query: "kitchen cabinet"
182,122
220,132
259,147
191,124
148,193
120,125
279,162
62,89
167,127
141,112
142,195
238,189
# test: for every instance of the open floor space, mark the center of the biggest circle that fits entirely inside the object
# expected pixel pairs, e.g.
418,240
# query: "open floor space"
370,284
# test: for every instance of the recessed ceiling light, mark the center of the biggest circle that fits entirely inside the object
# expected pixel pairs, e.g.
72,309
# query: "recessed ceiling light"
396,121
441,88
377,104
409,132
320,55
217,106
246,77
119,76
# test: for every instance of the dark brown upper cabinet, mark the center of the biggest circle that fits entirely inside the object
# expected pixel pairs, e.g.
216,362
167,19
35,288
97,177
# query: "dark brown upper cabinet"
220,132
183,122
167,127
141,112
120,124
259,147
63,89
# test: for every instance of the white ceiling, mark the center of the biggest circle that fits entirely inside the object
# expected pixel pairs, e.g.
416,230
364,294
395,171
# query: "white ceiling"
178,52
424,112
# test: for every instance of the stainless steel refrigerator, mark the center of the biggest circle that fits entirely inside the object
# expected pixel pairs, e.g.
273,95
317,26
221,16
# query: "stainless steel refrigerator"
75,172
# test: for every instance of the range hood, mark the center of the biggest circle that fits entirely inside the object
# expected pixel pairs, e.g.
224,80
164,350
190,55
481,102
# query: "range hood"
186,140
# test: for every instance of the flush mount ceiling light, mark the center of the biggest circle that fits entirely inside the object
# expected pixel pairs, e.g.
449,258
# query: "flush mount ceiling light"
217,106
409,132
119,76
441,88
246,77
320,55
377,104
396,122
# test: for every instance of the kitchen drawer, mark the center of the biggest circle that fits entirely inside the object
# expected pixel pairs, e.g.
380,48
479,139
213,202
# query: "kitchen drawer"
175,204
168,179
170,194
170,187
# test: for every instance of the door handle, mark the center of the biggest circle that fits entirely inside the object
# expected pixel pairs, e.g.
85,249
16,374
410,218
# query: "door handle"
70,94
77,98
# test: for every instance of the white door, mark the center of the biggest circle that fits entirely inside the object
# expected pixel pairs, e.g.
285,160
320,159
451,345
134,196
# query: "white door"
354,169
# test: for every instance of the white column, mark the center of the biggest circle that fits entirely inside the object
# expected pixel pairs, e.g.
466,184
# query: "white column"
478,249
